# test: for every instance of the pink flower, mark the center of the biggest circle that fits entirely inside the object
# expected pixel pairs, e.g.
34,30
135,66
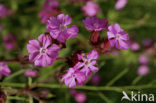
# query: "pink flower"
4,69
134,46
143,59
95,24
31,73
80,97
4,11
72,76
120,4
88,62
9,41
96,79
50,4
147,42
117,37
90,9
143,70
45,15
59,30
42,52
49,9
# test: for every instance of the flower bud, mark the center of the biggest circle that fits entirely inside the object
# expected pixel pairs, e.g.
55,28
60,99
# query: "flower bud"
95,37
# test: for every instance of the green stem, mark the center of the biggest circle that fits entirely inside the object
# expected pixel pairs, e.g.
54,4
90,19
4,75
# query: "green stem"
16,98
136,80
92,88
104,97
14,75
117,77
30,83
112,82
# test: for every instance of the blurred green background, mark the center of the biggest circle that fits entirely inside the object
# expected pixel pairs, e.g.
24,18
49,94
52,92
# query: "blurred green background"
138,19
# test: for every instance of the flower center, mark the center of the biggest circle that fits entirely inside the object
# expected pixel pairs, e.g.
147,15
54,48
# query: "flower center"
118,36
1,67
43,50
95,24
62,27
87,62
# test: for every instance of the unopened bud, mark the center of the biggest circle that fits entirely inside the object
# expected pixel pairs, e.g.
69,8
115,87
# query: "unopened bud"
105,46
95,38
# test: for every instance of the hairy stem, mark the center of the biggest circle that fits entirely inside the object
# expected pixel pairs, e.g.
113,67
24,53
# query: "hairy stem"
104,97
117,77
16,98
91,88
14,75
136,80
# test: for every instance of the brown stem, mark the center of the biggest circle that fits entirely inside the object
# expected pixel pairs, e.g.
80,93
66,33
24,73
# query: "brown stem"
13,60
65,59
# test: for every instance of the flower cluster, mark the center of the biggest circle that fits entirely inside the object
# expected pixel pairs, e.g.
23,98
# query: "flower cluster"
115,35
43,51
82,69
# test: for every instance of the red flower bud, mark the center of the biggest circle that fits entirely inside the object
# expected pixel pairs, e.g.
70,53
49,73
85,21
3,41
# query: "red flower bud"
105,46
95,38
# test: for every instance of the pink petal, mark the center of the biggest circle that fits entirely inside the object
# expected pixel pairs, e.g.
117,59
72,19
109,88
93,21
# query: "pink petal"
112,29
6,71
78,65
67,20
93,55
55,33
72,83
80,77
72,31
53,23
86,70
125,37
62,37
33,46
49,60
45,40
123,44
53,50
110,35
117,28
93,63
64,19
93,68
120,4
41,61
112,42
34,56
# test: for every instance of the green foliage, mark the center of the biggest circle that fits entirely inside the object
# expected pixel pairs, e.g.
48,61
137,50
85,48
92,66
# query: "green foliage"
137,18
